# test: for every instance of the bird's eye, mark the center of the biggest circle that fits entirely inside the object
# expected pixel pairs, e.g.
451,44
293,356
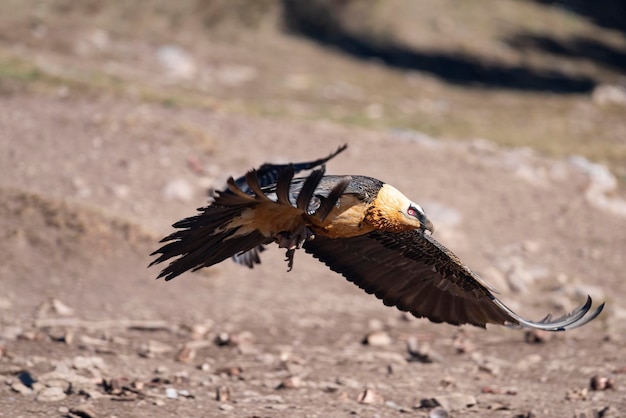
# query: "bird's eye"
415,211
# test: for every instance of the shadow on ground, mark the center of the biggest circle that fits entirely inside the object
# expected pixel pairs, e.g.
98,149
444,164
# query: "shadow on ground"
323,25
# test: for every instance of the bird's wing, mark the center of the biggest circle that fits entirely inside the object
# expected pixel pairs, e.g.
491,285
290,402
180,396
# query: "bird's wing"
268,173
415,273
237,224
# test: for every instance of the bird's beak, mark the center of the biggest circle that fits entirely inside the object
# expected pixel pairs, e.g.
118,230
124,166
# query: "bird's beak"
427,225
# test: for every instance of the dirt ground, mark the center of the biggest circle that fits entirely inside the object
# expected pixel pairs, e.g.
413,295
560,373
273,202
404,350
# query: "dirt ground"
90,183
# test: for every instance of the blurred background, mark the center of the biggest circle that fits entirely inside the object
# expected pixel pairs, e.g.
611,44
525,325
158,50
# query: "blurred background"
504,119
544,74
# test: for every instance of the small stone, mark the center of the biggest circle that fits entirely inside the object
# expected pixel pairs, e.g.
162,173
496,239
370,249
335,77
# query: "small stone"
52,394
199,331
186,394
348,382
455,401
427,403
609,94
21,388
226,407
81,362
11,332
606,412
421,353
601,383
292,382
462,343
447,382
171,393
438,412
186,355
230,371
84,411
577,394
61,308
222,394
68,337
370,397
161,370
158,402
222,339
152,348
377,339
609,412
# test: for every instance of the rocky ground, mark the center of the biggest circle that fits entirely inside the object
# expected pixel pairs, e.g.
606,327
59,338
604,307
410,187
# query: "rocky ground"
93,178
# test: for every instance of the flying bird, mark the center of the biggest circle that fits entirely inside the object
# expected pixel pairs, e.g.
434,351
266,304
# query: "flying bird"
360,227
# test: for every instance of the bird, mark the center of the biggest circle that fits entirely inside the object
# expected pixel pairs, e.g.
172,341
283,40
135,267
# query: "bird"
358,226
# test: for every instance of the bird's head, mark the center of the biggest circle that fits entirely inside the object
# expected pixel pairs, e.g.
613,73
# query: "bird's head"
393,211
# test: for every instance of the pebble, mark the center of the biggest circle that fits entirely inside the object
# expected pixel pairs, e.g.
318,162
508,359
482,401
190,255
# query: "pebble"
601,383
292,382
81,362
455,401
609,94
370,397
21,388
222,339
84,411
186,394
171,393
421,353
222,393
577,394
186,355
438,412
226,407
52,394
230,370
376,339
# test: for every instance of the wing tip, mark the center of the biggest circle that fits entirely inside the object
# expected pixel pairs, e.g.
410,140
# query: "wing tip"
574,319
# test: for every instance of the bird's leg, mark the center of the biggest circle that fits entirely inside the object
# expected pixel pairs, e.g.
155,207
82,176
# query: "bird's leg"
292,241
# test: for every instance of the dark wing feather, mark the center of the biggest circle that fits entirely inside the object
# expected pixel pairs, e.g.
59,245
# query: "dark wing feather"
279,175
414,272
204,240
268,173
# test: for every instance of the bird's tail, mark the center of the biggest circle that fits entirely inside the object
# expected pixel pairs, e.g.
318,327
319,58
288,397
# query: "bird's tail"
202,241
207,239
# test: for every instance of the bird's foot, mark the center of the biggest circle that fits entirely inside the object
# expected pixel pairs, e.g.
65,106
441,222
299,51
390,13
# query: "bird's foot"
292,241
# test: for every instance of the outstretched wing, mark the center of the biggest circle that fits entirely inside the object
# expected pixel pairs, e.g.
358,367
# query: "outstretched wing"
415,273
